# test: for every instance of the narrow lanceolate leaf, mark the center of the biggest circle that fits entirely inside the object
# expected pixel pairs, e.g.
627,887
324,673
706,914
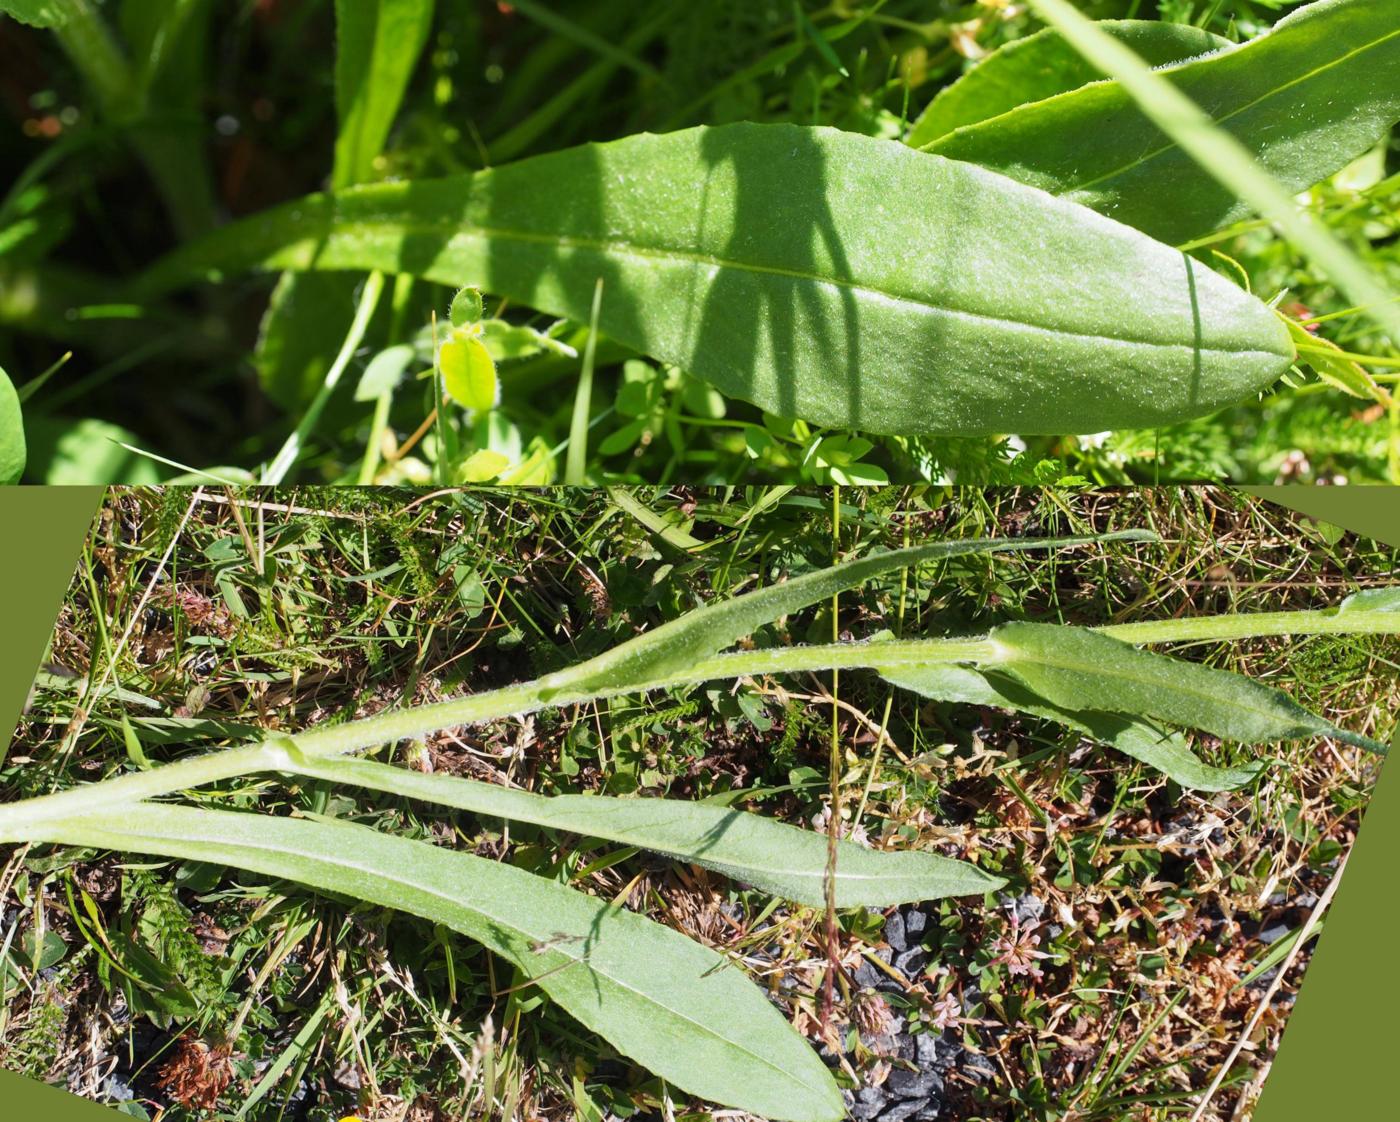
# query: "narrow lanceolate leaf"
681,642
1075,668
846,280
1043,65
378,46
1162,749
1306,98
775,857
663,1000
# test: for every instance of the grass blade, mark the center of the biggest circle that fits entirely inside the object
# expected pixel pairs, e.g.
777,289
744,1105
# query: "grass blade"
746,255
660,998
773,856
378,46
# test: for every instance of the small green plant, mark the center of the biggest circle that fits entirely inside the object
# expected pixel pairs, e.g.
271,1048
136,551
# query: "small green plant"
667,1002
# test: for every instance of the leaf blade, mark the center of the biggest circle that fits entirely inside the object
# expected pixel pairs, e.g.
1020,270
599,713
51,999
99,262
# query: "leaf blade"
770,280
661,998
780,859
1162,749
1042,65
1307,97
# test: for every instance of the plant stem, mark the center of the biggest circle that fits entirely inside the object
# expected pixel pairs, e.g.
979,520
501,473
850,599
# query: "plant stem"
581,683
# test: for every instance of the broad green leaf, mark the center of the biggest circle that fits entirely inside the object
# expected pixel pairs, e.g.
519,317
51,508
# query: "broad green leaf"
1079,669
846,280
384,372
12,450
681,642
378,46
1163,749
773,856
1306,98
1043,65
661,999
38,13
467,308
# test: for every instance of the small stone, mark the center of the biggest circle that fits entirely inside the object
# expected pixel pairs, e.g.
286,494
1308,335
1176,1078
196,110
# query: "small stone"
914,1084
915,927
926,1049
979,1067
904,1046
1275,933
866,976
898,1112
912,962
1029,908
895,933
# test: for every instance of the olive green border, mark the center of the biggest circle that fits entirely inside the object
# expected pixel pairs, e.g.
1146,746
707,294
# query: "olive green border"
44,528
1333,1062
1336,1056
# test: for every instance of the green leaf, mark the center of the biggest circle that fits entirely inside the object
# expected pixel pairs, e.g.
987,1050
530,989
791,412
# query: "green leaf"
1372,600
682,642
661,999
1307,98
1159,748
378,46
780,859
12,448
1043,65
38,13
467,308
849,281
1078,669
83,452
384,372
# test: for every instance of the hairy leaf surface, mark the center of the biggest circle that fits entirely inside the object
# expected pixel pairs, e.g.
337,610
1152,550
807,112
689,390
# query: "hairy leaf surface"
773,856
1163,749
850,281
1306,97
660,998
1080,669
1043,65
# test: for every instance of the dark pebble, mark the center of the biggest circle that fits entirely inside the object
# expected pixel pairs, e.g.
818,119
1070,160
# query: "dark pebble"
912,962
898,1112
895,933
1275,933
915,927
914,1084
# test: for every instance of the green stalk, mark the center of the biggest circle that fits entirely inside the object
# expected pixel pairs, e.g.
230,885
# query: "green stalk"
288,753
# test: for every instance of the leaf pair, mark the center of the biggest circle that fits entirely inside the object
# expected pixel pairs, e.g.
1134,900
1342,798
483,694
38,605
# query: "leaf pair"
1121,695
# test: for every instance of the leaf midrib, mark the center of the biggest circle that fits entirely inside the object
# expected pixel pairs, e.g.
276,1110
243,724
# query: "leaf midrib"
1172,147
503,921
626,248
